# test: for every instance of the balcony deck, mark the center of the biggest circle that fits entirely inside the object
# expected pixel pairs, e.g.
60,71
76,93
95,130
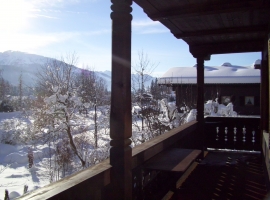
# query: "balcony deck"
225,175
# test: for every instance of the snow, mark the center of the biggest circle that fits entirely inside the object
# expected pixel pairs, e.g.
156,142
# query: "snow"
6,149
136,109
20,58
191,115
14,164
257,62
224,74
14,173
14,194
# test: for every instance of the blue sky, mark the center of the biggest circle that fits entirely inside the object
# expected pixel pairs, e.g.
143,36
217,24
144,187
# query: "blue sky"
54,28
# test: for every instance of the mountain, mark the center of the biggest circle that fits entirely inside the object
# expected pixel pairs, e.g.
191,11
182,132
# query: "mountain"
15,63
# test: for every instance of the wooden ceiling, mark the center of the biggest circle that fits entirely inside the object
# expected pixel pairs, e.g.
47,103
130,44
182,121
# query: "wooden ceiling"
213,26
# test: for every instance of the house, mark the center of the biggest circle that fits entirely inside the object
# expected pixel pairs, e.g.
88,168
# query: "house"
208,27
229,83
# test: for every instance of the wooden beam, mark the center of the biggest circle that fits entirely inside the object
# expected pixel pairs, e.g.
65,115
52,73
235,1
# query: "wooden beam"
227,47
225,31
227,6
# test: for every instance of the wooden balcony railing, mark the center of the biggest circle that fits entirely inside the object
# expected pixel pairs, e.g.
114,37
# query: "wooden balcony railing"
235,133
86,184
94,182
146,181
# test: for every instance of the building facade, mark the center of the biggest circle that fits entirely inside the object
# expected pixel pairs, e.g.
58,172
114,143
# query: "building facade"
228,83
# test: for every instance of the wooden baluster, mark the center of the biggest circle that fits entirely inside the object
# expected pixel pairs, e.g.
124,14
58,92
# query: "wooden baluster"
217,137
234,136
253,139
244,137
217,130
226,137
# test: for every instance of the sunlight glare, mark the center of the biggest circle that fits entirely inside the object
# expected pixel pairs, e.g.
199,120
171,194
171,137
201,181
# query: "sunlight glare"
14,14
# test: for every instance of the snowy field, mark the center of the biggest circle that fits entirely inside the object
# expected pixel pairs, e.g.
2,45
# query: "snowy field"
14,172
14,159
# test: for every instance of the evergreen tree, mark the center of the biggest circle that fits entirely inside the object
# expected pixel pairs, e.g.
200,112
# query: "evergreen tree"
5,87
156,90
20,91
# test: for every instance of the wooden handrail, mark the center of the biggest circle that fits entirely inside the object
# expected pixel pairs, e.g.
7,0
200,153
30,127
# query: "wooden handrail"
80,185
145,151
89,183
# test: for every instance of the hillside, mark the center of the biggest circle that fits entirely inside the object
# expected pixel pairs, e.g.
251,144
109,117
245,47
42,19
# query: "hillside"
15,63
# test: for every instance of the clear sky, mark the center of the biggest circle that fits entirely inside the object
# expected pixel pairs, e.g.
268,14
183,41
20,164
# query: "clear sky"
54,28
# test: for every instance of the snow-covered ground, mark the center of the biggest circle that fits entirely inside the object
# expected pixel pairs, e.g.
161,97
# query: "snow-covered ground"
14,172
14,162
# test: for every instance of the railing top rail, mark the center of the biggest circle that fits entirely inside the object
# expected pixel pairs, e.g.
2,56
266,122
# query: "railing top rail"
238,117
145,151
97,175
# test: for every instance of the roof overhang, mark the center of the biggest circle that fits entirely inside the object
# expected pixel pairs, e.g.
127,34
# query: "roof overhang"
214,27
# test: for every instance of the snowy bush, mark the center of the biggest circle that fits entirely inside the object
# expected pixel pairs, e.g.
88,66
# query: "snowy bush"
15,131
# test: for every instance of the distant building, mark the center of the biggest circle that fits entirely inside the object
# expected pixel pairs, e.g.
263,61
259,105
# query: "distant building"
229,83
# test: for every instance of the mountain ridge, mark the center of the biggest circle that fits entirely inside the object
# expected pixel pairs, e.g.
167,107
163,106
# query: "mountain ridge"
16,63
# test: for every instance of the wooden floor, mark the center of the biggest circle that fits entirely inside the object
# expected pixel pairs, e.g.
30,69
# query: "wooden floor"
225,175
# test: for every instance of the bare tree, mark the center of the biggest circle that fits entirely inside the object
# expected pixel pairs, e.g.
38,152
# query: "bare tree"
55,73
143,69
57,82
93,89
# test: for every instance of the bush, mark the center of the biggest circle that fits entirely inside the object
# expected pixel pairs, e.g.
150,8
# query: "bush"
15,131
5,107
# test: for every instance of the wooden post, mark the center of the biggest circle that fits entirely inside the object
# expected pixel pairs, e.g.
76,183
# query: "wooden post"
200,100
268,86
200,89
120,116
264,95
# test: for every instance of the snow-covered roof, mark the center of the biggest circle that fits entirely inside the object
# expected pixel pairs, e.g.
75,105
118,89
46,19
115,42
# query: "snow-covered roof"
224,74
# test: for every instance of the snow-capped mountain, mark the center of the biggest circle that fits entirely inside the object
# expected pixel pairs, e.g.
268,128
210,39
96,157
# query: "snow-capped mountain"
15,63
21,58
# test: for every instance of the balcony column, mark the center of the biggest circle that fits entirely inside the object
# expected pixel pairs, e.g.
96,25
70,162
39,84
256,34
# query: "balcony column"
200,99
120,116
264,94
200,89
268,85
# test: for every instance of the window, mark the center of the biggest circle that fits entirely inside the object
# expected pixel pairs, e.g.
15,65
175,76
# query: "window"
249,100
